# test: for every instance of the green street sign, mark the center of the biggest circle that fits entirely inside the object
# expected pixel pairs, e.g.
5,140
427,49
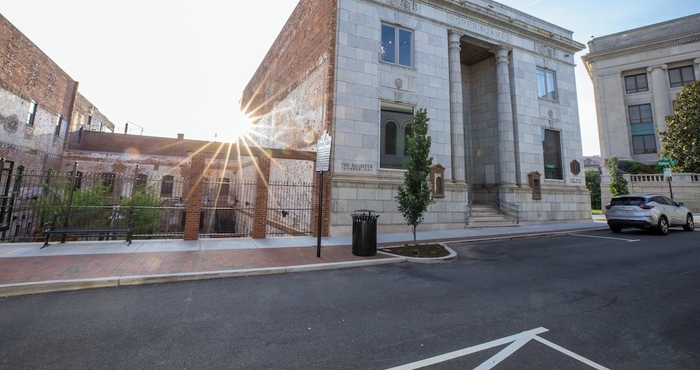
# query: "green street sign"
666,162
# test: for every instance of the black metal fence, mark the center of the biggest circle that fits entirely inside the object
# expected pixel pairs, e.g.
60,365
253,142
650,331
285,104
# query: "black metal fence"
28,199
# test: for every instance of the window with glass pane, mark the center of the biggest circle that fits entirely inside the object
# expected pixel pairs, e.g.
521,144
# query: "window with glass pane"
166,185
546,84
636,83
397,45
644,144
395,126
681,76
108,181
551,147
642,128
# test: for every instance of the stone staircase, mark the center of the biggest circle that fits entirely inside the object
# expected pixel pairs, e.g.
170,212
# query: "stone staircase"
487,216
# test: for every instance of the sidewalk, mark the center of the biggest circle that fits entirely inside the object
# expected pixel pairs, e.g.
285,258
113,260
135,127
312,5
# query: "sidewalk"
27,269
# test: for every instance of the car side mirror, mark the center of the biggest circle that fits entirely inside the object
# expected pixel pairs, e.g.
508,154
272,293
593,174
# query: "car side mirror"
680,204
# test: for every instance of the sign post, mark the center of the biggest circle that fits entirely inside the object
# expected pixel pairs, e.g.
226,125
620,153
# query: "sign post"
323,155
667,171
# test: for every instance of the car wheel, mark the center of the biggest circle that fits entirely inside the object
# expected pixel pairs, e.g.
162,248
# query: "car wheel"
689,225
663,226
615,229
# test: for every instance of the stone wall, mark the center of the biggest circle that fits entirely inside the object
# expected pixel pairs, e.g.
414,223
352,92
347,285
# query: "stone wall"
685,187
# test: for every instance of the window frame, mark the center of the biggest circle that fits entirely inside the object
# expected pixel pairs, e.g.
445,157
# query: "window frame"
107,179
398,57
166,185
545,77
31,114
642,128
635,79
393,149
556,172
682,82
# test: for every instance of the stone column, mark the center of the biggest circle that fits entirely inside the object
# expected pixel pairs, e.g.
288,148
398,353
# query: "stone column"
456,110
696,66
506,140
662,104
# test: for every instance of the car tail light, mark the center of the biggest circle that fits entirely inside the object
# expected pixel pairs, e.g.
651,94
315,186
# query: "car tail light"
646,206
608,206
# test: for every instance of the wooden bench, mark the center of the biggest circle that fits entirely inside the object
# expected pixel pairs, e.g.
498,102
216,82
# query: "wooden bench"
90,221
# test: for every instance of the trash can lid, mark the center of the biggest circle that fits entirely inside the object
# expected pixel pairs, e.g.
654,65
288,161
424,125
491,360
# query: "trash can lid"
369,211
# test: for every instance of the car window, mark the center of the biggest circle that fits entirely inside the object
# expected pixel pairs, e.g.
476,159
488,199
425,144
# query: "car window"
670,201
628,201
659,200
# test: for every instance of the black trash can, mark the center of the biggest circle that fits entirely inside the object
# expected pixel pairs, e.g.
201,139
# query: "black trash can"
364,233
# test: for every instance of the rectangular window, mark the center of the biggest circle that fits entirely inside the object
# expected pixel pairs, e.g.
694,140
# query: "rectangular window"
395,128
682,76
551,147
32,113
636,83
546,84
58,125
166,185
642,129
141,181
108,181
397,45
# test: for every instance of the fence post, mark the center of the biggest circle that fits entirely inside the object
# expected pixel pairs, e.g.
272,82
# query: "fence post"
194,197
74,174
133,188
261,195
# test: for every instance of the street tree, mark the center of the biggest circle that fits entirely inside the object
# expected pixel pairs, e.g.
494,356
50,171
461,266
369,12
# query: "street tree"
618,184
681,141
414,196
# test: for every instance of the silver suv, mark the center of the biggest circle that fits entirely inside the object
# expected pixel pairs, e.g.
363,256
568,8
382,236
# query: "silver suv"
644,211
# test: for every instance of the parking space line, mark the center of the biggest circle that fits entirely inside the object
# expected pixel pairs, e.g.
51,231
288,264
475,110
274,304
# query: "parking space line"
516,341
606,237
570,354
468,351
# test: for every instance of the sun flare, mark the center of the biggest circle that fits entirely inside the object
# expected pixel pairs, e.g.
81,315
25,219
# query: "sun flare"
235,128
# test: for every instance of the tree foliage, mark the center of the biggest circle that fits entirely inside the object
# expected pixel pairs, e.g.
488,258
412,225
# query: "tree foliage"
593,185
681,141
414,196
618,184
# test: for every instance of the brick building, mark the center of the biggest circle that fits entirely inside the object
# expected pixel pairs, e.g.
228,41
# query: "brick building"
498,85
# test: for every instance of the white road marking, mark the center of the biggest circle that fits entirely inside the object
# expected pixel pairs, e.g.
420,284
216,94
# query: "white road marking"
606,237
570,354
516,341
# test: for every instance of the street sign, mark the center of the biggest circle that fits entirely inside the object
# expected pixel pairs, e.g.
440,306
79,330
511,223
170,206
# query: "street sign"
667,173
323,152
666,162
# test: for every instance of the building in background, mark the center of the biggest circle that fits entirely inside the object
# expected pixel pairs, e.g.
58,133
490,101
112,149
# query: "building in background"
636,75
498,85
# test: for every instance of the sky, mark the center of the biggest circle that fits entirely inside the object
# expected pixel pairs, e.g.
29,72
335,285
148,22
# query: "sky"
178,66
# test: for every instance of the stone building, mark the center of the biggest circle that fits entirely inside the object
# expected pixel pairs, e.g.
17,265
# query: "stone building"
636,75
498,85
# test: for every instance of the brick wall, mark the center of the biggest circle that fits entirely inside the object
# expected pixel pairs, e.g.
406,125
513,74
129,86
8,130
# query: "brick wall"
306,39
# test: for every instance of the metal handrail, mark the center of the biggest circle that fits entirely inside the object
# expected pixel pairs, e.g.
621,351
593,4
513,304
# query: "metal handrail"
508,209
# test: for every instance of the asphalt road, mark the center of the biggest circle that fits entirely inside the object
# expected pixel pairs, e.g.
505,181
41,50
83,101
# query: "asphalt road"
581,301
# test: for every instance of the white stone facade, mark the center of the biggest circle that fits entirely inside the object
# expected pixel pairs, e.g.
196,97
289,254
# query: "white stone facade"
652,53
475,69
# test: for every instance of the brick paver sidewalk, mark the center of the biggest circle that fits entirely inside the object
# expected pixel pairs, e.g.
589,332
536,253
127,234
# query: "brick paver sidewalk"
71,267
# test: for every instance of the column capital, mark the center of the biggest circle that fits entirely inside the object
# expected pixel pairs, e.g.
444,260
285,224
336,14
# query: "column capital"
501,54
454,39
662,66
696,60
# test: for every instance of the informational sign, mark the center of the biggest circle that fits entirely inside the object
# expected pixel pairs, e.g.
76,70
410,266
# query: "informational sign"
667,172
323,152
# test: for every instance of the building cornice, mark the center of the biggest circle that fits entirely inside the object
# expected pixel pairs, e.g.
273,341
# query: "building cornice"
642,48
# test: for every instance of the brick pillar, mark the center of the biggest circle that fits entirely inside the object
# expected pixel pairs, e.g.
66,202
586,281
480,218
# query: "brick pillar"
325,222
261,193
194,197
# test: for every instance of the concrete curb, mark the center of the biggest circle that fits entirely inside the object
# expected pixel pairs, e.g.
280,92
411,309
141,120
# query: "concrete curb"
428,260
10,290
